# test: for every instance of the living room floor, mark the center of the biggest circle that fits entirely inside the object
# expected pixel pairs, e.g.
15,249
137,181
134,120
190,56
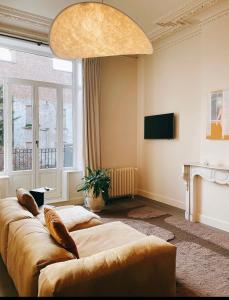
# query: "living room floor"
202,251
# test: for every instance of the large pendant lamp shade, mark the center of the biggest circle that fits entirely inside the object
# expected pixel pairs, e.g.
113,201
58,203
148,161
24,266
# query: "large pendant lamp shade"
92,29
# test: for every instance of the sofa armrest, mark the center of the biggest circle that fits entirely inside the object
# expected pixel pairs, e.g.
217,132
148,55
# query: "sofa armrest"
143,268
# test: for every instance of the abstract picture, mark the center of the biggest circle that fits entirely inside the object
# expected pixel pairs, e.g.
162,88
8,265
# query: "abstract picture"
218,116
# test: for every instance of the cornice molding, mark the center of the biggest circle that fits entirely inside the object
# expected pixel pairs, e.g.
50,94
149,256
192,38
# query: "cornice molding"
183,34
179,19
17,22
32,26
215,17
175,40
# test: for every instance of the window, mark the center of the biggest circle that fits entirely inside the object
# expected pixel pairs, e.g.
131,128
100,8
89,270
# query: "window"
1,129
62,65
36,90
68,128
6,55
28,123
29,145
21,98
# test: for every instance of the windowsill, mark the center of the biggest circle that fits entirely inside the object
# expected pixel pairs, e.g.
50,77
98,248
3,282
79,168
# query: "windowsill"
72,170
4,177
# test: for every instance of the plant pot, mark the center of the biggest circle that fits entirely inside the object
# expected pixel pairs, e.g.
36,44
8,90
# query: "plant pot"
95,204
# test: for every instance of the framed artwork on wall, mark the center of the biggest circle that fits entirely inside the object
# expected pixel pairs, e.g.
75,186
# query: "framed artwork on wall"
218,115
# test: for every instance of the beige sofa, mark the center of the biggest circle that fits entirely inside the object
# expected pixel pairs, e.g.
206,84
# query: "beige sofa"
115,259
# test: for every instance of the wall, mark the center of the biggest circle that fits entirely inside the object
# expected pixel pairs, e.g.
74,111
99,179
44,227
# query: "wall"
118,112
172,83
215,76
177,78
118,115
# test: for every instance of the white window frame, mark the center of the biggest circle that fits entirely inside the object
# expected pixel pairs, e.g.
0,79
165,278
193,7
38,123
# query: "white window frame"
28,47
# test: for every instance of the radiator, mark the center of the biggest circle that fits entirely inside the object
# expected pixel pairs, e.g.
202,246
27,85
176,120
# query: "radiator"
122,182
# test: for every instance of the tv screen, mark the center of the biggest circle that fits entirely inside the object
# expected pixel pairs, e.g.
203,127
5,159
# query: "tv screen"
159,127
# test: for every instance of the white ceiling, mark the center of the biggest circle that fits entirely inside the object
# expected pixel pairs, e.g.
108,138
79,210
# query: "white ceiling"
144,12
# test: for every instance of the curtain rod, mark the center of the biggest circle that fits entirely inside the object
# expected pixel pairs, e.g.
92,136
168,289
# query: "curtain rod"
40,43
37,42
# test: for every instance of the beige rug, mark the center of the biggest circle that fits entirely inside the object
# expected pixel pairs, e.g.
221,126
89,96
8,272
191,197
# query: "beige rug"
201,272
144,227
213,235
145,212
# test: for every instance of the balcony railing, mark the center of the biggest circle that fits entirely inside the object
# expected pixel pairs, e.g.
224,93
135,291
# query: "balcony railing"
22,158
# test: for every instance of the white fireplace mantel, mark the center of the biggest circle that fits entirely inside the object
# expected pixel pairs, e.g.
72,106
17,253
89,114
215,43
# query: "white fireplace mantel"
211,173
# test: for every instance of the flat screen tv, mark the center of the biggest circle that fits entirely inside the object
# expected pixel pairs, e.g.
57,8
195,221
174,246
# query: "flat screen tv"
159,127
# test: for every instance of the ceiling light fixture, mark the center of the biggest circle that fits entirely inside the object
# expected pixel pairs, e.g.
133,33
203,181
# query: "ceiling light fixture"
92,29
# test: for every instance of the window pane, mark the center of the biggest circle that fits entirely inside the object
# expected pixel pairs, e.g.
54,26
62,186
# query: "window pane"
62,65
1,129
36,67
67,128
5,54
22,134
47,128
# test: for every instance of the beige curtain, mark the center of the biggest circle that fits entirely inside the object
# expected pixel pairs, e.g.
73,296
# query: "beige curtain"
91,98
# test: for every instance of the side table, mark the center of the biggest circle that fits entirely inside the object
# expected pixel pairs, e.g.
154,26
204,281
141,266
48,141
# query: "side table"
38,194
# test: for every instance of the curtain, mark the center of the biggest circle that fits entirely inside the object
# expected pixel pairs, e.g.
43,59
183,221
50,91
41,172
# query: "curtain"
91,105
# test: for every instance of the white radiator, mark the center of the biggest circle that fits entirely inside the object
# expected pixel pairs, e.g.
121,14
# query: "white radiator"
122,182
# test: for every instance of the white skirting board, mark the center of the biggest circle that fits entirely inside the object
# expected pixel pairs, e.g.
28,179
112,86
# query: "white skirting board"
160,198
223,225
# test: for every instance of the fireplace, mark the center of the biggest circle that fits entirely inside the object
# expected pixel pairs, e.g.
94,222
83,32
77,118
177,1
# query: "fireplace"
210,173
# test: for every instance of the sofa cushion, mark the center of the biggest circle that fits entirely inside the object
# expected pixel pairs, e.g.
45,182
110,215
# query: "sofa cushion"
58,231
10,211
30,249
27,200
144,268
74,217
104,237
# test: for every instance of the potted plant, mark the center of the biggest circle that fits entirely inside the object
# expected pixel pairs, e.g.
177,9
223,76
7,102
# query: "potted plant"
96,186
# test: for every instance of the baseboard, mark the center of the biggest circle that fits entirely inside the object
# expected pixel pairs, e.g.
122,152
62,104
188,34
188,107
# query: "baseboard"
73,201
77,201
223,225
161,198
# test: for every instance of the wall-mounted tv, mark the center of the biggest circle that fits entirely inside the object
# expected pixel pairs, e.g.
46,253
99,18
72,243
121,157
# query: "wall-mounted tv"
159,127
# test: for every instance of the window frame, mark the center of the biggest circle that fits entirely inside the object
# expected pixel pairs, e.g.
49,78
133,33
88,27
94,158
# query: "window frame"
28,48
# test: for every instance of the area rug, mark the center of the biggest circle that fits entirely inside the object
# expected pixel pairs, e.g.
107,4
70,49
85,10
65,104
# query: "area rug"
144,227
213,235
145,212
201,271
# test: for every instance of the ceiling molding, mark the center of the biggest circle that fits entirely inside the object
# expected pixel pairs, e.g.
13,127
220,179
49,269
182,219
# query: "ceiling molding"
179,19
20,23
182,34
174,41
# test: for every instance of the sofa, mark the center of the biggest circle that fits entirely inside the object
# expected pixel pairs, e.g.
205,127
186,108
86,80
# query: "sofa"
115,259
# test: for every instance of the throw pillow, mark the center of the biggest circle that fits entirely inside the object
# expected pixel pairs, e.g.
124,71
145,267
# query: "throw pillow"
27,200
58,231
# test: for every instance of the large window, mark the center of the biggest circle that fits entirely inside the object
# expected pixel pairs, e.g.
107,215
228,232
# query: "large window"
36,91
68,127
21,98
1,128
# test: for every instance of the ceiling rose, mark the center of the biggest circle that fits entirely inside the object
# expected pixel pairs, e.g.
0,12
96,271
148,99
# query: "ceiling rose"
92,29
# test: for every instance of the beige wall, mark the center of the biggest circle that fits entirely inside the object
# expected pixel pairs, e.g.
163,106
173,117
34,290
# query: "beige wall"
178,77
215,56
172,84
119,112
